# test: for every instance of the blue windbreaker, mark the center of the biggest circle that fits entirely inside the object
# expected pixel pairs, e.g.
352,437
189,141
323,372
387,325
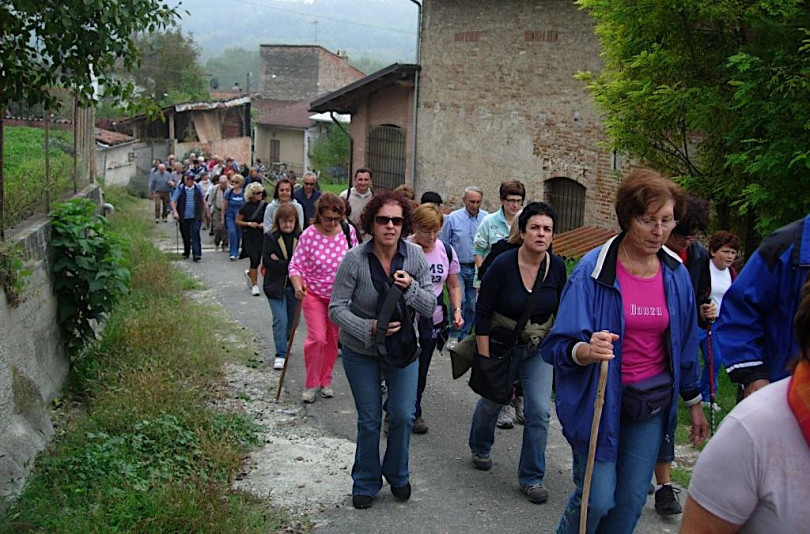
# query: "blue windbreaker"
754,332
591,301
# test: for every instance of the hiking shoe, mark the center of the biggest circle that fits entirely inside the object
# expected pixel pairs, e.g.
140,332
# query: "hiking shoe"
232,258
278,363
327,393
666,500
401,493
197,258
482,463
255,291
506,418
308,395
538,494
361,502
517,403
247,279
419,426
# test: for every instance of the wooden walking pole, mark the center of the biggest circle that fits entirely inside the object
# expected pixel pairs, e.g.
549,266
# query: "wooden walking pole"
289,347
597,417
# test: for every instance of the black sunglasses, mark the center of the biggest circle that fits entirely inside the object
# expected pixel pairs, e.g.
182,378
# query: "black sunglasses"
382,220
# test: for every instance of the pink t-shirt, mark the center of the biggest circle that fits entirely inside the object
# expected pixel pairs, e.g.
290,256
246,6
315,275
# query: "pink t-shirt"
316,259
646,319
439,270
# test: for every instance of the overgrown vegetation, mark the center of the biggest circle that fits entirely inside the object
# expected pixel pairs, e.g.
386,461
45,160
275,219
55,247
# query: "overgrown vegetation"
25,185
90,275
330,156
13,274
143,449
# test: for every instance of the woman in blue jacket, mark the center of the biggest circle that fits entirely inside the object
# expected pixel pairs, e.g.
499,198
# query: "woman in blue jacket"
630,302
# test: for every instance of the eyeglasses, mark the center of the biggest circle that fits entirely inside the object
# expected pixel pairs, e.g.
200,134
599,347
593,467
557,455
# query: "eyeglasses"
382,220
517,201
332,219
649,223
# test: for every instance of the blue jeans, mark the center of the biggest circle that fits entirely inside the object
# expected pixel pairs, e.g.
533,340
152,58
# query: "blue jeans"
468,297
283,311
618,489
363,373
535,376
234,235
717,362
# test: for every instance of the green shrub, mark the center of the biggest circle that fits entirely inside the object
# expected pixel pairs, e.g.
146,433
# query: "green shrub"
138,186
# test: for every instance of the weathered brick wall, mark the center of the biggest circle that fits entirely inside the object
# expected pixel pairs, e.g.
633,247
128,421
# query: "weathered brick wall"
289,72
498,100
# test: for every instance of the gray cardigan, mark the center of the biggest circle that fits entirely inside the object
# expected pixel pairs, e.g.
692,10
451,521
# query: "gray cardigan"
354,299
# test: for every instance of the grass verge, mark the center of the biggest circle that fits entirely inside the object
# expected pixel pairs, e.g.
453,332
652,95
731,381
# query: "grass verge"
143,449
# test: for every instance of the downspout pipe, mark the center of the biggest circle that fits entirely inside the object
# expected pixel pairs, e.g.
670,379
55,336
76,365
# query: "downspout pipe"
351,145
416,93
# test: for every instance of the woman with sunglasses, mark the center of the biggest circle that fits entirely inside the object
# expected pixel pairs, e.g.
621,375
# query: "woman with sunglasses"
630,303
312,274
354,308
233,201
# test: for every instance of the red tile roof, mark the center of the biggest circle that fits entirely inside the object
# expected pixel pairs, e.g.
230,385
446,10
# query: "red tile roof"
106,137
575,243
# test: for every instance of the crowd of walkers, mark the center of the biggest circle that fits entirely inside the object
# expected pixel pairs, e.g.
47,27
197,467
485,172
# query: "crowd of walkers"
645,318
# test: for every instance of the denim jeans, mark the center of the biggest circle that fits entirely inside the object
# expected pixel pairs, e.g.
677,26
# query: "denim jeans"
717,362
190,231
283,311
618,489
234,235
536,377
468,297
363,373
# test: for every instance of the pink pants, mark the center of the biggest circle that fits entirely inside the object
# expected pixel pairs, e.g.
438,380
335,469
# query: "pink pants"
320,347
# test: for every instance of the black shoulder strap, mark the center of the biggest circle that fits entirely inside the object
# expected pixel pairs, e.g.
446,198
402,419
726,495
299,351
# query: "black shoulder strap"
538,281
449,251
347,233
393,294
262,203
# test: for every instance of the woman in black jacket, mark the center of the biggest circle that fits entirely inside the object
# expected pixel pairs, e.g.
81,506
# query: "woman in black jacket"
278,248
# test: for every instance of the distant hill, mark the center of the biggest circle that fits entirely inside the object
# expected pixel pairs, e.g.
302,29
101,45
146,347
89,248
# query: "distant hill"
380,30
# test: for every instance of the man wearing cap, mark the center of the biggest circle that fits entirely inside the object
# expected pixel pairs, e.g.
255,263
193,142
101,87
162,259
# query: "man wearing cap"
188,209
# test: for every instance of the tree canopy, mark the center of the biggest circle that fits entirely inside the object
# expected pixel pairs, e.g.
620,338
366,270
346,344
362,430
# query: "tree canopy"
71,44
714,93
169,71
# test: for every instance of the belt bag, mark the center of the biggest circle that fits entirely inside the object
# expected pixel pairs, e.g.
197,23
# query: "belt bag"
647,398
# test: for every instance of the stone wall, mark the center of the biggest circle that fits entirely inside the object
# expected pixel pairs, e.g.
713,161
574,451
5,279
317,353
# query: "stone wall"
33,363
300,72
498,100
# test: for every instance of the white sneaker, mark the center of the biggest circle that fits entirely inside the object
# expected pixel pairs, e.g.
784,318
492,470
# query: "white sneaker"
255,291
506,419
278,363
327,393
247,279
308,395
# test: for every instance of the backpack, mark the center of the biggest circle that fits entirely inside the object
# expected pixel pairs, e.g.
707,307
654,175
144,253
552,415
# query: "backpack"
402,348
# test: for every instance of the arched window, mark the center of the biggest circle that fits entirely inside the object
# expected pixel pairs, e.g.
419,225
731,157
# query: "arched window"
567,197
385,155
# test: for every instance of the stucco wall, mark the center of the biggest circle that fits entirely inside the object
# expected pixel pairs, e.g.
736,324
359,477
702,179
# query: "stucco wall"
291,145
114,164
498,100
33,363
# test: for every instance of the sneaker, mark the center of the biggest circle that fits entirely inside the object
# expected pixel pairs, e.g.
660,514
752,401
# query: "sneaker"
197,258
233,258
308,395
506,418
538,494
327,393
361,502
419,426
482,463
401,493
157,221
255,291
666,500
248,280
278,363
517,403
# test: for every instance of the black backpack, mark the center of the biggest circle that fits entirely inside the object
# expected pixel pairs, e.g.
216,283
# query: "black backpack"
400,349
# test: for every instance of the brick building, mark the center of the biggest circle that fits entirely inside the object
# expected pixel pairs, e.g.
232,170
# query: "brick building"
302,72
498,100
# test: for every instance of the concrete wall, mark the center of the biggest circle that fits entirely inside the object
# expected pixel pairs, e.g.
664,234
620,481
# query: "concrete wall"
498,100
114,164
33,363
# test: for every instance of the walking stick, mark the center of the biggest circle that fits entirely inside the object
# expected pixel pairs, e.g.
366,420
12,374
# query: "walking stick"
598,404
289,347
711,376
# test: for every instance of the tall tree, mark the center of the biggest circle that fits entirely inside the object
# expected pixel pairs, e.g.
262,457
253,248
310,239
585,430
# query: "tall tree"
714,93
169,71
232,66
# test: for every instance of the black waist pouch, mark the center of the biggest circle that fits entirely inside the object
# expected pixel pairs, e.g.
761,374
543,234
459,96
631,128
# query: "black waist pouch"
647,398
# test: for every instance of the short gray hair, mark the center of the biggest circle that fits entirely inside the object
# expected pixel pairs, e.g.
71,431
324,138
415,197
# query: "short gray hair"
474,189
308,173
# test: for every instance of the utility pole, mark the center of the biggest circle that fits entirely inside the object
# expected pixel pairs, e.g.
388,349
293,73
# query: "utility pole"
247,86
315,22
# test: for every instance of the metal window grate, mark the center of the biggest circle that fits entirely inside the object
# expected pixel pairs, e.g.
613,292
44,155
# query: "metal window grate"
385,156
567,197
